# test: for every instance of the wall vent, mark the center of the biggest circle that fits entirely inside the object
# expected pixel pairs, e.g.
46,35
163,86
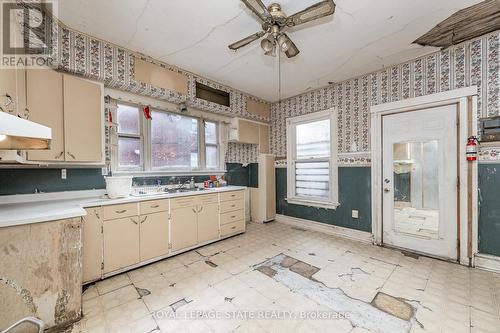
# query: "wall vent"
212,95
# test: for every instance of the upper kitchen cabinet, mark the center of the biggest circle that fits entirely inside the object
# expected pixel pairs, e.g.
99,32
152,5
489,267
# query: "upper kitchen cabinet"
45,105
73,109
244,131
13,91
160,77
83,126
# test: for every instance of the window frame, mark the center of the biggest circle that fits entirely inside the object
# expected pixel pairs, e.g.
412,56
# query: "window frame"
146,167
291,128
139,136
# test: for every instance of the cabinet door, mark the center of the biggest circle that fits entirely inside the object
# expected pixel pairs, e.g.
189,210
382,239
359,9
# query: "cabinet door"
208,223
83,124
45,104
121,243
13,91
264,139
248,132
154,235
183,228
92,245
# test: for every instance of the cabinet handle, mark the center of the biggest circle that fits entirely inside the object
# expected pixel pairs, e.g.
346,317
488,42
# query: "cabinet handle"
71,155
233,195
131,219
145,218
97,214
59,156
233,206
201,208
234,216
233,227
194,210
120,211
155,206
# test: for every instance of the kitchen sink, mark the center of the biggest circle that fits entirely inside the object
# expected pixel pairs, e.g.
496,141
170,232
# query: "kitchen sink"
148,191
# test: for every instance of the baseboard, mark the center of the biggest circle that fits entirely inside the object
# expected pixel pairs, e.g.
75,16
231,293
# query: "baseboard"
487,262
357,235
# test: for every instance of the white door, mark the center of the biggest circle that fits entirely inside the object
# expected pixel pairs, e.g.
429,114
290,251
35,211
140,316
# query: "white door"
420,181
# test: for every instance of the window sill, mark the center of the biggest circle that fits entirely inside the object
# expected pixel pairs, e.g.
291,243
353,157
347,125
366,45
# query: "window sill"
169,173
313,203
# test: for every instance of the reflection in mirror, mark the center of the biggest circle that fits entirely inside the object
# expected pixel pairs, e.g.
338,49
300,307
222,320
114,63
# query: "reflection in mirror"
416,188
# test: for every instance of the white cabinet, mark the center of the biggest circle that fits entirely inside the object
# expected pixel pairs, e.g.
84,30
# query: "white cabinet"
74,109
184,228
92,245
208,223
121,243
244,131
153,235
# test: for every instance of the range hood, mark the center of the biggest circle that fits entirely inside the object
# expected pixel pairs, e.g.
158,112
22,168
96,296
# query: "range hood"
21,134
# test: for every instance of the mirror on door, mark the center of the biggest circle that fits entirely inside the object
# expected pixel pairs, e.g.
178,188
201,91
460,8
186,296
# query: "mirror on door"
416,188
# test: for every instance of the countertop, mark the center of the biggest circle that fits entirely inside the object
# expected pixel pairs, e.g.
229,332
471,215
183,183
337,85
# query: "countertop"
43,207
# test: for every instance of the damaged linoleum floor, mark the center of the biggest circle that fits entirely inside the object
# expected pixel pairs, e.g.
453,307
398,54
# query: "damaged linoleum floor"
267,278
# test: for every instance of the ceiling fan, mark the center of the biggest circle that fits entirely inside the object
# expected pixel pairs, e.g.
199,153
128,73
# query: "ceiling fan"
275,22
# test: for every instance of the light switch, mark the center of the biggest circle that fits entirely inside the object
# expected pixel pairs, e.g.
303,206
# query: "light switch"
63,173
355,214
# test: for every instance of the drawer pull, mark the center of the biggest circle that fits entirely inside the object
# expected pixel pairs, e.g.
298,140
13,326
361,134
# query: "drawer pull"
155,206
233,206
233,216
233,227
120,211
233,195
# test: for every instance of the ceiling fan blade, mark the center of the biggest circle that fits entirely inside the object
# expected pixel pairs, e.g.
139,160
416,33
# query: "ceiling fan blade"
292,50
316,11
258,8
247,40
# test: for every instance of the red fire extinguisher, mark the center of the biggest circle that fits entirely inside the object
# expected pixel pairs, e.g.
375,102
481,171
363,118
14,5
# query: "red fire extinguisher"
471,148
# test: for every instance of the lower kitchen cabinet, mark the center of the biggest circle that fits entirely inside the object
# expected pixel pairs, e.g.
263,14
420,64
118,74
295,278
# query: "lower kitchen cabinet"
92,245
121,243
208,223
153,235
184,228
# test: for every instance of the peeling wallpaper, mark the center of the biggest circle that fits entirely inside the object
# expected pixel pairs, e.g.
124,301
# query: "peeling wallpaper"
476,62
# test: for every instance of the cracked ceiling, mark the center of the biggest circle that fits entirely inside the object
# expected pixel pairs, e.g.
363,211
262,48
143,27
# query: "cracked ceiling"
361,37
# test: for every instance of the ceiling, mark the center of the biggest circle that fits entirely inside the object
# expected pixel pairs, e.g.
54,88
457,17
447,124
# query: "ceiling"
362,36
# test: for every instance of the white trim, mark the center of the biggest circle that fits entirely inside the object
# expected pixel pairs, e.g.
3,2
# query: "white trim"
459,97
291,123
487,262
424,101
357,235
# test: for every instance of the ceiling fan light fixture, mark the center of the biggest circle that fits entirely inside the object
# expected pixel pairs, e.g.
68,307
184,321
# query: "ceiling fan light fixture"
267,44
284,42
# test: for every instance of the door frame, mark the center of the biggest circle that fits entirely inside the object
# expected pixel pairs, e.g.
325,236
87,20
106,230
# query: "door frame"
466,101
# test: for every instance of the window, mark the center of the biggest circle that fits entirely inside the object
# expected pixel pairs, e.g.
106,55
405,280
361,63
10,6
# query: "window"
129,137
312,160
170,142
174,141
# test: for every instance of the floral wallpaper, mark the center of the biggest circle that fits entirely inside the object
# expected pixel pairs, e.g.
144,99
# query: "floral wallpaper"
475,62
84,55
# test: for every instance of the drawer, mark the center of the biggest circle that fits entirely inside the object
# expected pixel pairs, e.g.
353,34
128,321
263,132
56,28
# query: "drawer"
207,199
232,217
120,211
153,206
230,206
183,202
232,228
234,195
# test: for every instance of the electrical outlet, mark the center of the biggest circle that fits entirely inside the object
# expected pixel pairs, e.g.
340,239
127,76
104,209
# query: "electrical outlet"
355,214
63,174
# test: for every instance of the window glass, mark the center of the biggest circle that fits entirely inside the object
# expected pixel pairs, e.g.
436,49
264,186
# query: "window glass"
174,141
129,152
313,139
128,119
210,133
312,179
212,157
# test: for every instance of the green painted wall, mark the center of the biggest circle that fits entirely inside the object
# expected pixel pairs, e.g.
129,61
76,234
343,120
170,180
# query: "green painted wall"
489,209
354,193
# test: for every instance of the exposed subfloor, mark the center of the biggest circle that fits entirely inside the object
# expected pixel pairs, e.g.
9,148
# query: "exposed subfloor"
218,288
